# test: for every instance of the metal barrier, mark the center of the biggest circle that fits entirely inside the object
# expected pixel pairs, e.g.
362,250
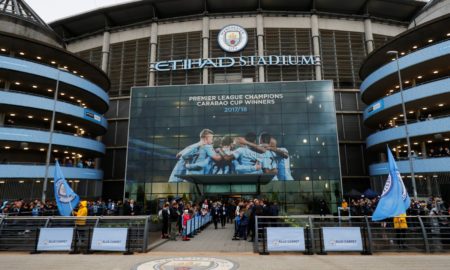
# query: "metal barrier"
424,233
21,233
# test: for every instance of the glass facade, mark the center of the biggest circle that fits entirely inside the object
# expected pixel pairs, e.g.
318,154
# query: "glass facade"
341,51
300,116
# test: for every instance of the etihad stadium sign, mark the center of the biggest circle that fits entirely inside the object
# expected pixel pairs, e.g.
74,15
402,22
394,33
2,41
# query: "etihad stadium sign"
233,38
242,61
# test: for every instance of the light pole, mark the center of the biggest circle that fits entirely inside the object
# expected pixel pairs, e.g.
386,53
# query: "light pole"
405,119
50,139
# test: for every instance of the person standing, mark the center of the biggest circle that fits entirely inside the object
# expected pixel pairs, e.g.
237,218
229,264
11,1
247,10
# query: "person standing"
401,226
132,209
223,215
82,212
186,218
323,208
215,212
174,218
165,213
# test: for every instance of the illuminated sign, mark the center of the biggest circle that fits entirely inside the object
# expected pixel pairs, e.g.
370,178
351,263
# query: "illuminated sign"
243,61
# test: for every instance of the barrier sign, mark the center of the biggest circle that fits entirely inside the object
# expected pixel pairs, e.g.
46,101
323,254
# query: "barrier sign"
109,239
55,239
342,239
92,116
285,239
374,107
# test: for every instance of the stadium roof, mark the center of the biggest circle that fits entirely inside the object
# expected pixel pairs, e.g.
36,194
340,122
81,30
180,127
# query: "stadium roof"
136,12
20,9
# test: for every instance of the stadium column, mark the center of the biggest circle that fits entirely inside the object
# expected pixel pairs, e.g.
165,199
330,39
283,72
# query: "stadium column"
2,115
205,54
105,50
316,44
153,44
260,34
368,34
105,63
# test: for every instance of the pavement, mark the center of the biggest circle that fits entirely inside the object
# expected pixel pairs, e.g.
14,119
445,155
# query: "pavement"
217,244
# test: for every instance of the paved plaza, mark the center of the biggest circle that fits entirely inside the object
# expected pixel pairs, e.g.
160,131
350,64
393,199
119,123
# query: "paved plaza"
217,244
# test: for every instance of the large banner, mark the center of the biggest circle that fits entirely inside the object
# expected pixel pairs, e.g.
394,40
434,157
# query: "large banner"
285,130
109,239
55,239
342,239
285,239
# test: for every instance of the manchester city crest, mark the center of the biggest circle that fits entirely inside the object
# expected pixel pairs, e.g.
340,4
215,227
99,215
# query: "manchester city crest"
232,38
188,263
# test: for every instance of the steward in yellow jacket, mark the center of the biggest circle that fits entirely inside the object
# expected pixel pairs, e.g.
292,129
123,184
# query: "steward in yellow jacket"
400,222
82,212
401,227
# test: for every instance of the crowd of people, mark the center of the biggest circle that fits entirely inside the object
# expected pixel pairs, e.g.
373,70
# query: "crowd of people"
240,213
365,206
80,163
98,207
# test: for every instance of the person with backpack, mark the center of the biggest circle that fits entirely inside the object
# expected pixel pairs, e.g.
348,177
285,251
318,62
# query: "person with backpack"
163,215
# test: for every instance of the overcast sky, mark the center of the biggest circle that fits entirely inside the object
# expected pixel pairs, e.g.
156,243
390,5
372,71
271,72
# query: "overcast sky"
52,10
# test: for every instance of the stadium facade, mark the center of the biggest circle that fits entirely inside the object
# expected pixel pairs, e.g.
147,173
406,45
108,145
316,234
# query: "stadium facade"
155,45
423,56
144,43
38,76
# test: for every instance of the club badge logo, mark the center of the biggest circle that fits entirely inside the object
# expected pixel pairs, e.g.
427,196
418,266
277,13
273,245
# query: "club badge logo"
232,38
61,192
188,263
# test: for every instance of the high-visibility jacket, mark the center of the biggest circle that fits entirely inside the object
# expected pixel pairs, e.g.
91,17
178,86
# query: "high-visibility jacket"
344,205
400,222
82,212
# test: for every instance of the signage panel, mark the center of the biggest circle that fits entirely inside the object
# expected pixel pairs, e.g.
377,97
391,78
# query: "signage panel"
285,239
92,116
374,107
342,239
55,239
109,239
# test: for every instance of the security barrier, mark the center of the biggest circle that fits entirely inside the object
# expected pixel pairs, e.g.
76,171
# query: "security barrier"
21,233
196,223
424,234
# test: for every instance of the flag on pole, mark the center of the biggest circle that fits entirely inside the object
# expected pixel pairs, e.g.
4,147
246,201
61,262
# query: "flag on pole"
66,198
395,199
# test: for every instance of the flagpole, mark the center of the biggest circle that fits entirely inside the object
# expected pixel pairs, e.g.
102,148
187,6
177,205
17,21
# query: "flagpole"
405,119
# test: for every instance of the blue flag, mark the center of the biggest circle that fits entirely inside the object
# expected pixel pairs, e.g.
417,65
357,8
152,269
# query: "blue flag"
395,199
66,199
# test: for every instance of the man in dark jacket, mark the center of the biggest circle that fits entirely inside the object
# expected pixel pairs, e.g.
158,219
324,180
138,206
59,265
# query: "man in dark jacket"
174,218
165,213
132,209
223,215
216,214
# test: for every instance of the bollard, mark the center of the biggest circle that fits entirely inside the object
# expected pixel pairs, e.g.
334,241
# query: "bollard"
75,247
38,231
88,247
308,238
364,239
322,251
128,251
264,252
